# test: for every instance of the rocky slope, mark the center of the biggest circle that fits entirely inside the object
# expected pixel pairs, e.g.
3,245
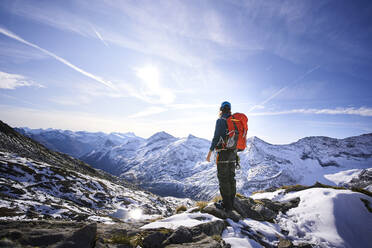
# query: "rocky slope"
36,183
52,200
297,216
174,166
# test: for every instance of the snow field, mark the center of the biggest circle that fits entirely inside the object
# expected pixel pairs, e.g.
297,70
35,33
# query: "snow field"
326,217
183,219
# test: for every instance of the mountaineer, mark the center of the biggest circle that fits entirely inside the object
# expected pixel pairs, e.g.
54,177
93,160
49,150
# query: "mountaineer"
229,138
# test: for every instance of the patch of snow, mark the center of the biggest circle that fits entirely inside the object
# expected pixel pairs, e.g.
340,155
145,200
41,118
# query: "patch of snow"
232,235
268,195
269,230
183,219
327,218
105,220
344,176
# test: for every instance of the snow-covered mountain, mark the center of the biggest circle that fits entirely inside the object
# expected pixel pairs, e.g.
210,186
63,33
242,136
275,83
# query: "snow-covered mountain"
36,183
174,166
306,161
42,186
78,143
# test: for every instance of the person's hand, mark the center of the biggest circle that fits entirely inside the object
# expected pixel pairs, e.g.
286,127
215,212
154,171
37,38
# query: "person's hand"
209,156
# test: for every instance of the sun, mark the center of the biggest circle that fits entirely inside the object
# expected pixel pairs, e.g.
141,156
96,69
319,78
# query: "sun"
150,76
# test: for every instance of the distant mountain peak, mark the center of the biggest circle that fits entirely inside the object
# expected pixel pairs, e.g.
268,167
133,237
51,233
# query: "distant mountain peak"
255,139
160,136
191,136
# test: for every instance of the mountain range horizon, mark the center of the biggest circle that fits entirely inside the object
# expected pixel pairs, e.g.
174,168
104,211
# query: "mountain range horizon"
301,188
36,130
171,166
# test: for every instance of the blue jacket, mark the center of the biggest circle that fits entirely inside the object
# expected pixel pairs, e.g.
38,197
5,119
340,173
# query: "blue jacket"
220,131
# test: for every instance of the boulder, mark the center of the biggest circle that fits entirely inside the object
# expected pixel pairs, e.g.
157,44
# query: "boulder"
154,240
6,243
84,237
206,242
283,206
179,236
263,213
263,209
222,214
247,208
209,228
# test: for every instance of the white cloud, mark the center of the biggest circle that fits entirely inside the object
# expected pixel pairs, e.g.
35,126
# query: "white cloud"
192,106
11,81
74,67
362,111
149,111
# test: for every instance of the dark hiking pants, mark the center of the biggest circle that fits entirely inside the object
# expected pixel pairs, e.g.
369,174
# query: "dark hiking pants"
226,177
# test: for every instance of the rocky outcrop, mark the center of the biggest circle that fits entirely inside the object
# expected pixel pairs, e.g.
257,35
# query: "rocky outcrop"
52,233
211,209
363,180
245,207
61,234
47,234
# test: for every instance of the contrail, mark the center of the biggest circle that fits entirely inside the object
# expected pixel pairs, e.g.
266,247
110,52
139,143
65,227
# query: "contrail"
294,82
99,36
90,75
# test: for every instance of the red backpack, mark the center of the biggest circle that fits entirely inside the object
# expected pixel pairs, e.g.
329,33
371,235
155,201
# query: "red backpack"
237,125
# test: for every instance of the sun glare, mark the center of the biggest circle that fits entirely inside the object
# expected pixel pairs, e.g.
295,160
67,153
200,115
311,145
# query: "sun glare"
150,75
136,213
152,89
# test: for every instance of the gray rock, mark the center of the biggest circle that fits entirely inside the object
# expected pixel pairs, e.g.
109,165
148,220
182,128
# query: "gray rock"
6,243
219,213
206,242
263,209
83,237
46,239
283,206
248,209
179,236
264,213
154,240
209,228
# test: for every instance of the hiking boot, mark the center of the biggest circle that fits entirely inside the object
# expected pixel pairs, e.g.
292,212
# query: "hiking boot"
219,205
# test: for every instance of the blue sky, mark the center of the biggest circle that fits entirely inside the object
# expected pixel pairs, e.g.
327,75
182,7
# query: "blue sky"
296,68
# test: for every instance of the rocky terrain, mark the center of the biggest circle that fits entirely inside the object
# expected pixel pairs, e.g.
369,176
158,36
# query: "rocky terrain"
269,219
172,166
36,183
49,199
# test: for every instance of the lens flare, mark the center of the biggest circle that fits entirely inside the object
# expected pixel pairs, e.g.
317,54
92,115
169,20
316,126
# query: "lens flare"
136,213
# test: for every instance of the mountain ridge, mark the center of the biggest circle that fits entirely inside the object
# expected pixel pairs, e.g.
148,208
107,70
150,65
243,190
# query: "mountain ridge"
167,165
72,209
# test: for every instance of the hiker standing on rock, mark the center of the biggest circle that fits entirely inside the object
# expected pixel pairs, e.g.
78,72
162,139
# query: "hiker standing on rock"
229,138
225,159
